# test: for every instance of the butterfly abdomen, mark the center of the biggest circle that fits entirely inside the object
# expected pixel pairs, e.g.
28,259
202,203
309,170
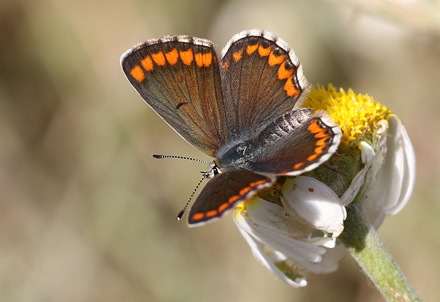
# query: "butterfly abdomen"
284,125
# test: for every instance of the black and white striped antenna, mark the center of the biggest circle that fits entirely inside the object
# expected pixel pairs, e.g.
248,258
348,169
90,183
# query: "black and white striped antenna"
205,175
159,156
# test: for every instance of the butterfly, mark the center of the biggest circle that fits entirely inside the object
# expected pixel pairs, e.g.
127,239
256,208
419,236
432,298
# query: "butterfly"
243,109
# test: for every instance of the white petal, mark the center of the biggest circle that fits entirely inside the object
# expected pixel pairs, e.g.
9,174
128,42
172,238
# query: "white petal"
294,249
275,217
404,165
304,252
268,260
394,182
323,241
329,262
315,202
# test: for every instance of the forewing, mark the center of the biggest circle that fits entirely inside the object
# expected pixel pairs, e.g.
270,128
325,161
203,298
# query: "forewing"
224,192
179,77
262,79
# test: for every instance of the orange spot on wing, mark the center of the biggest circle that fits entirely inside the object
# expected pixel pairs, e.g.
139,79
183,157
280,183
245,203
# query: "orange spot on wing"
312,157
257,183
223,207
172,56
321,134
284,73
315,128
211,213
137,73
322,142
318,150
159,58
263,52
251,49
187,56
275,60
244,191
199,59
298,165
233,199
203,59
226,65
198,216
237,55
207,59
290,88
147,63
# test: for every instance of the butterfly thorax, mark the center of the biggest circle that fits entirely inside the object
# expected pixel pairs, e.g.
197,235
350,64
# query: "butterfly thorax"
238,156
244,153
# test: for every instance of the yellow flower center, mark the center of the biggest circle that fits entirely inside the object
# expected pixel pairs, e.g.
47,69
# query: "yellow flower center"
355,114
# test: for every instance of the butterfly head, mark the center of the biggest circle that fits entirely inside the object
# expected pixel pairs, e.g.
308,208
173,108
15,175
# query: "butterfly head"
214,169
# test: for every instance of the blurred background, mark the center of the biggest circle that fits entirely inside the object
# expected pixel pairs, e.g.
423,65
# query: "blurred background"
87,215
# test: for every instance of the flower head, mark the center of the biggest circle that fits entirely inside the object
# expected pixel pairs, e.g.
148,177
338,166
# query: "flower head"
356,114
295,228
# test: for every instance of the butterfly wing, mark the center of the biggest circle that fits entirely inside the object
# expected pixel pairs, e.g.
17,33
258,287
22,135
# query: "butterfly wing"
295,143
224,192
262,79
179,77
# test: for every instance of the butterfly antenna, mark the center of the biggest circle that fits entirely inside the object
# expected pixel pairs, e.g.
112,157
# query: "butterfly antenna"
159,156
189,200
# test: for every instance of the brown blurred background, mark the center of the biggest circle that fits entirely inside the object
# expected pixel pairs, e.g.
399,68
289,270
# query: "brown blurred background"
87,215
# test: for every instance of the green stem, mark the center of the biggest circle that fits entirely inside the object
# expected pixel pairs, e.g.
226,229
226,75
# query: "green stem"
373,257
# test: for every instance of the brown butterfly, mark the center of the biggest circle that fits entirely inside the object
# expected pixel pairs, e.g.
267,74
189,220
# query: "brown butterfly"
243,110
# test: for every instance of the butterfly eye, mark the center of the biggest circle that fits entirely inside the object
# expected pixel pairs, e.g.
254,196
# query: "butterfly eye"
212,171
